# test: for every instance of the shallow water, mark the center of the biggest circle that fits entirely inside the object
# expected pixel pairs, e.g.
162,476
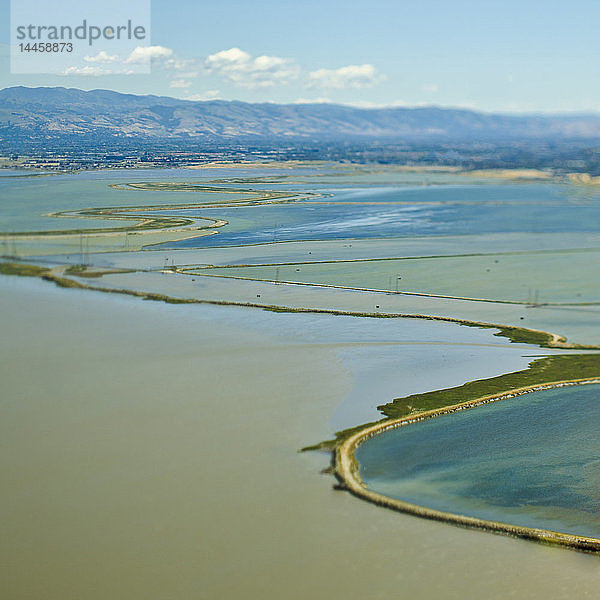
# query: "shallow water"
149,451
397,211
521,277
532,460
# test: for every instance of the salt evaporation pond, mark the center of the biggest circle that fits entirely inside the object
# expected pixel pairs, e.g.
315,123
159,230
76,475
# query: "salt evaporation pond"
396,211
533,460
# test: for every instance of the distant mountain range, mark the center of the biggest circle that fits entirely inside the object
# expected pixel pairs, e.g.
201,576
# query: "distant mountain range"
54,113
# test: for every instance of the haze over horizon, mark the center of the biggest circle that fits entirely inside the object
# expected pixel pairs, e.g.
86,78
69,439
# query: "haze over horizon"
32,114
514,57
325,101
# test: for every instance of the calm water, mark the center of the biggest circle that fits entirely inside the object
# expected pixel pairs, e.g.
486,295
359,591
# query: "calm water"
396,211
532,460
149,451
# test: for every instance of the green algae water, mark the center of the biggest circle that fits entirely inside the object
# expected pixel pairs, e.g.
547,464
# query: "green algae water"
533,461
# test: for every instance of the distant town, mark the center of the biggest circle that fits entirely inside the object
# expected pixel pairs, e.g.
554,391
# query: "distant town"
562,158
69,129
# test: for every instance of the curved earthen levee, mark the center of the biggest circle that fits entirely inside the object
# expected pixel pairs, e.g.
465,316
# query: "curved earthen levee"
347,471
164,223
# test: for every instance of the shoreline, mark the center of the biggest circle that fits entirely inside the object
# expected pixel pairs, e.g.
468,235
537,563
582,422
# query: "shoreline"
346,470
344,465
513,333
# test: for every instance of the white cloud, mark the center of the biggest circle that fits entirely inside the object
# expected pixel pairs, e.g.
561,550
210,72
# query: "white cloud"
180,83
227,57
102,57
313,101
351,76
86,70
368,104
164,58
208,95
243,70
143,54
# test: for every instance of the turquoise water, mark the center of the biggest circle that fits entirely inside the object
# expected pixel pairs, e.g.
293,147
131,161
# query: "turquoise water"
533,460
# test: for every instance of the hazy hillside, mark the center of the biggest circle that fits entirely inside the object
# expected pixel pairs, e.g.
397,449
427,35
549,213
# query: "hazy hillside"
102,114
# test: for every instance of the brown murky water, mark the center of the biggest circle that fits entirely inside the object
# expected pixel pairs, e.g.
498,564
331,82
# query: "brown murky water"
149,451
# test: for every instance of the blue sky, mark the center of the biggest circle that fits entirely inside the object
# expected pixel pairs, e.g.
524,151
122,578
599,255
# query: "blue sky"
511,56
